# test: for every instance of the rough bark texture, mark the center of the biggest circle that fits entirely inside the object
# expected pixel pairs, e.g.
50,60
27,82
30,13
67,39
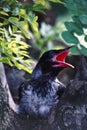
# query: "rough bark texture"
70,114
4,109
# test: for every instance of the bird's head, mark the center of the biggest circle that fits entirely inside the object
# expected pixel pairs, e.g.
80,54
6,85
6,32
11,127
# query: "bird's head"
53,61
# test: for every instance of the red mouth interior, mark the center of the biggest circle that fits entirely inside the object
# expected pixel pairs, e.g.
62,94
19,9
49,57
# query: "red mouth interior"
60,58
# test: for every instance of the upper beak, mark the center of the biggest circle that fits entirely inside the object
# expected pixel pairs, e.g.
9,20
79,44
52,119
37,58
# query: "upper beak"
60,58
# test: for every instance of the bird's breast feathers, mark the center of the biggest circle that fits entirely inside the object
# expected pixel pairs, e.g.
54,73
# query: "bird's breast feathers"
40,100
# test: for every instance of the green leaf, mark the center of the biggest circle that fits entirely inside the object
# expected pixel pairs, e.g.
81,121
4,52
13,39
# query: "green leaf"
14,28
10,30
73,27
1,31
33,21
6,8
76,20
31,17
74,50
21,66
69,37
38,8
83,50
6,60
35,24
21,25
34,7
1,24
6,22
13,19
3,13
25,33
85,38
16,11
83,19
45,3
23,53
57,1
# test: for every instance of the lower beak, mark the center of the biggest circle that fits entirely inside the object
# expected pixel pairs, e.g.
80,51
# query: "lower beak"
64,64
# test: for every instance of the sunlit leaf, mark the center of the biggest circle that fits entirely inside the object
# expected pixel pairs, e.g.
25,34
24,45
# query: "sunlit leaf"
1,24
3,13
6,35
13,19
10,30
19,58
35,24
28,61
38,8
33,21
21,25
24,53
1,30
14,28
26,33
6,22
20,66
45,3
6,60
57,1
22,12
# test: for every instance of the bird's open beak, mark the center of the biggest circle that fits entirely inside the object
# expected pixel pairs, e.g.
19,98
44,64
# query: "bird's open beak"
60,58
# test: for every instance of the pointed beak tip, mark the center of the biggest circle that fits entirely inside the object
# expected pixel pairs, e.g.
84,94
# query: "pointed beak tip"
71,66
69,47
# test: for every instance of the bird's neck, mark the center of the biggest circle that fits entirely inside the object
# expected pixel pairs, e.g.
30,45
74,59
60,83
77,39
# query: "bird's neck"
38,73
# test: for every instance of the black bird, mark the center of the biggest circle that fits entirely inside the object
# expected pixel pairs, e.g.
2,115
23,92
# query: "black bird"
42,92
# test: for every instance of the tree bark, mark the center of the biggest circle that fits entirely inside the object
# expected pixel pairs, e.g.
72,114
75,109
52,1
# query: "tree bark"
70,113
5,112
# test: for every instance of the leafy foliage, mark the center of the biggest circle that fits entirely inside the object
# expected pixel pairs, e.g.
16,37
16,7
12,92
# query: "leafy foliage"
46,3
76,29
15,21
13,50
